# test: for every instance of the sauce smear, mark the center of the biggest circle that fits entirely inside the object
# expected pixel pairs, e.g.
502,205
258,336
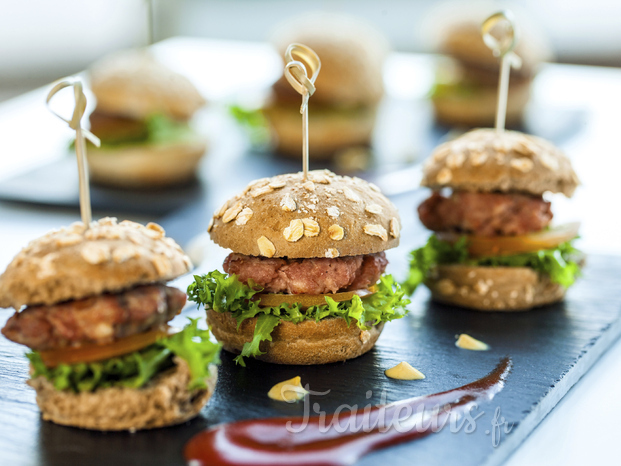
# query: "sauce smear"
337,440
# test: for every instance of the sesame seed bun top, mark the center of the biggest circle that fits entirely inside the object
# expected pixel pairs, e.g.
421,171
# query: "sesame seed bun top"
76,262
485,160
324,216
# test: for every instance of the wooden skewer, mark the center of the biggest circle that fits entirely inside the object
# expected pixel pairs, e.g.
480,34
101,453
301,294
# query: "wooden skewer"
298,57
502,47
81,135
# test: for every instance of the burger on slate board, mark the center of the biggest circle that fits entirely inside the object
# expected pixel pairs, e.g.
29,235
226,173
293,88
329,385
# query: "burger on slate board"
96,308
349,87
142,115
466,89
305,282
494,248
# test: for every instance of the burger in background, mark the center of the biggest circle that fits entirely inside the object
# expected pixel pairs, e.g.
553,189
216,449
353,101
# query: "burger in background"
95,312
349,87
465,92
494,248
305,282
142,118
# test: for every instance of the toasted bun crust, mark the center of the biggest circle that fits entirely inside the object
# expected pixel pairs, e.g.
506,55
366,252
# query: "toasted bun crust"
465,43
484,160
75,262
352,54
132,83
145,166
479,110
164,401
329,132
256,222
493,288
309,342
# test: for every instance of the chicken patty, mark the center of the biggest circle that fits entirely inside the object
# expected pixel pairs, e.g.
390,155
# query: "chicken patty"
310,276
99,319
485,214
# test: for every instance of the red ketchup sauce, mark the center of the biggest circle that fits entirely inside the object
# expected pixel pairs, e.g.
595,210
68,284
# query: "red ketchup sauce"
336,440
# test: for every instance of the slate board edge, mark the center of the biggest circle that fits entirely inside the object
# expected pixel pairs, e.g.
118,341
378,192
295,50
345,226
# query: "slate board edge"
528,425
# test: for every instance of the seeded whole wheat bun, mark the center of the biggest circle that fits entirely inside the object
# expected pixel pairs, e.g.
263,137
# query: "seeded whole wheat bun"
352,55
493,288
464,42
306,343
133,84
326,216
485,160
163,401
75,262
329,131
146,166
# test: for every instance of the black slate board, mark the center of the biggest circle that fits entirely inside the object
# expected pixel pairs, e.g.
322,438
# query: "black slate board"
56,184
551,349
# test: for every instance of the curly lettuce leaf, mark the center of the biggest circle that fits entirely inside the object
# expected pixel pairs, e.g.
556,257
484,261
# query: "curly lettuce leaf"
225,293
559,263
454,89
262,331
253,122
134,370
158,129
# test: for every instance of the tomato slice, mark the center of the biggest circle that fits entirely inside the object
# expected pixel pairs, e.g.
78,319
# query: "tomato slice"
482,246
91,353
307,300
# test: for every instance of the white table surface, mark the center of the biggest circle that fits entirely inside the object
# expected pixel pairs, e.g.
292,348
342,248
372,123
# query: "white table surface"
583,428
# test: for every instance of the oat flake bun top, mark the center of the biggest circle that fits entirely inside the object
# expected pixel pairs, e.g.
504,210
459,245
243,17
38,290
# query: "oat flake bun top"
133,84
75,262
325,216
465,43
352,54
484,160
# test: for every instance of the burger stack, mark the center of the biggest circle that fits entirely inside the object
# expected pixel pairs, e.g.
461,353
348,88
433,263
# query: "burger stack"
494,247
93,305
304,283
349,87
142,118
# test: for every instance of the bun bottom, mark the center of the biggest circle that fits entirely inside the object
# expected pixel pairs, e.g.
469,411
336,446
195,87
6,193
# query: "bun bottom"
146,166
493,288
329,131
479,110
309,342
164,401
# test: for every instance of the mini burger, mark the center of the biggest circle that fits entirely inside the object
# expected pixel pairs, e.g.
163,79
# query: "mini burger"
141,117
93,306
305,282
494,248
349,87
466,87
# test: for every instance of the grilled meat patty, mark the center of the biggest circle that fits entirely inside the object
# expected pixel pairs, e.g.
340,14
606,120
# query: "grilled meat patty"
485,214
99,319
310,276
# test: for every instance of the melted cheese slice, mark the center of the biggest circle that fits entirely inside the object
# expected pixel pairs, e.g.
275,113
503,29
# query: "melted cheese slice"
403,371
288,391
468,343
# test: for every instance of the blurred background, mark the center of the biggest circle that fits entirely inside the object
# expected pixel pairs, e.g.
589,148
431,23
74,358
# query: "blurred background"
42,40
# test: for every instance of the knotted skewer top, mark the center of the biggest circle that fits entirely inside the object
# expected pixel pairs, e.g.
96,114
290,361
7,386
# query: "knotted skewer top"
502,46
301,59
75,123
298,58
